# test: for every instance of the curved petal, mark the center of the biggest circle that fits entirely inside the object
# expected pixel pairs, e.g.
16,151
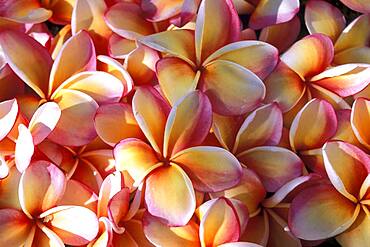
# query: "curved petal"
334,99
345,132
174,204
262,127
8,115
41,186
178,43
101,86
325,215
353,55
188,123
219,223
310,55
176,78
273,12
282,35
357,233
140,63
24,148
231,88
75,225
347,167
211,169
14,227
43,236
258,229
119,47
307,132
62,11
284,86
160,234
358,5
76,107
225,129
344,80
136,157
9,189
217,24
78,194
115,122
24,11
11,85
257,56
111,185
34,70
249,191
160,10
274,165
151,120
360,118
127,20
357,28
44,121
322,17
76,55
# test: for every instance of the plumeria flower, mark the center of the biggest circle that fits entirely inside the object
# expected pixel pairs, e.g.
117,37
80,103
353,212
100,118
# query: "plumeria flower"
174,156
35,218
221,221
254,142
339,208
209,60
304,73
71,82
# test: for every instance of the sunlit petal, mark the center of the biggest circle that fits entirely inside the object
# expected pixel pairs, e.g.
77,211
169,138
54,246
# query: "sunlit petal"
360,117
8,115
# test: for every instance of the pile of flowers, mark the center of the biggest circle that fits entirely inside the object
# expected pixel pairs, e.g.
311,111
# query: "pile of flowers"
184,123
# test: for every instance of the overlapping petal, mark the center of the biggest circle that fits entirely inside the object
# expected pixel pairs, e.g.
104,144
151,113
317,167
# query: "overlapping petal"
360,117
14,227
8,115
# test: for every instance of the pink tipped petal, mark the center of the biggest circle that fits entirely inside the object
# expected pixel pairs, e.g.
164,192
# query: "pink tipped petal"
101,86
127,20
76,55
326,214
24,148
334,99
181,195
136,157
273,12
160,234
217,24
360,119
310,55
362,6
118,206
231,88
211,169
344,80
115,122
284,86
76,107
111,185
34,70
275,165
75,225
176,78
219,224
263,127
44,121
178,43
322,17
259,57
24,11
41,186
188,123
307,132
8,115
14,227
119,47
282,35
347,167
151,120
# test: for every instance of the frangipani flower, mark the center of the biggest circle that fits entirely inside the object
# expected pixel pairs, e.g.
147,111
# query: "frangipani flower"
70,81
303,70
221,221
339,208
35,218
174,156
208,60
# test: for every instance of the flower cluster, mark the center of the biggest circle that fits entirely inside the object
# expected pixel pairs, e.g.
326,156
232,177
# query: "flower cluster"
184,123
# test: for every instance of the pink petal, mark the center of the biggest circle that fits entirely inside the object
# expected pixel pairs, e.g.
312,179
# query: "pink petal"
8,115
24,148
